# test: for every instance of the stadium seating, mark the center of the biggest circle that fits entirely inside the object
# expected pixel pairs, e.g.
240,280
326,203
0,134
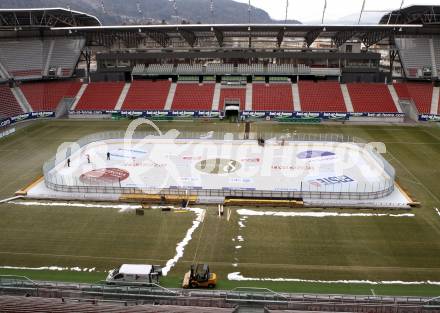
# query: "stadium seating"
234,94
23,58
192,96
45,96
250,69
17,304
64,55
321,97
272,97
217,68
8,104
420,93
100,96
370,97
147,95
189,69
160,68
415,53
281,69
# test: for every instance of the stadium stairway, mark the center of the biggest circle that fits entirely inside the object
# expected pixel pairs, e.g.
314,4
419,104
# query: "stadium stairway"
46,96
100,96
421,94
79,95
216,98
9,105
170,97
296,98
147,95
371,97
122,96
347,98
49,57
435,100
4,72
21,99
395,97
249,96
433,60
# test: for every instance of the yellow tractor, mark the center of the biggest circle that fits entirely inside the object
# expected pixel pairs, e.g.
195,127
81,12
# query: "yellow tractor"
199,276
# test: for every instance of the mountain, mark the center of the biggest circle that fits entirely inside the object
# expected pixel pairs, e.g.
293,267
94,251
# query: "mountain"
113,12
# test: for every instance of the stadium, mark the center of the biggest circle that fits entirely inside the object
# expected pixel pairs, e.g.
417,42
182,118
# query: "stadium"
300,162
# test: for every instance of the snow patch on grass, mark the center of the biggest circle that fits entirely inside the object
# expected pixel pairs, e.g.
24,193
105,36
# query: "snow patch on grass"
50,268
180,248
238,277
121,207
247,212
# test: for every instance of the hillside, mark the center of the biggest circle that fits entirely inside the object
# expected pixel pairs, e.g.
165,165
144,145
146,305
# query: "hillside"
153,11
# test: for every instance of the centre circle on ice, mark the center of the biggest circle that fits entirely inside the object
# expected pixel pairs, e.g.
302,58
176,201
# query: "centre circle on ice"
218,166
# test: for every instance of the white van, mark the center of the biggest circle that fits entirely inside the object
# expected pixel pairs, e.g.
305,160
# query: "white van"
135,273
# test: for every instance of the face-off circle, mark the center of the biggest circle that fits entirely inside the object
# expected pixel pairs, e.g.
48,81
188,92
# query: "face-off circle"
218,166
105,175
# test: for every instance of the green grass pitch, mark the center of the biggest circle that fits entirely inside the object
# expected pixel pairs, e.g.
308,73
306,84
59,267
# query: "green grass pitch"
326,249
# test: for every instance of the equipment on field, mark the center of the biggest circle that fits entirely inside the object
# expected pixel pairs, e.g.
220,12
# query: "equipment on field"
135,273
199,276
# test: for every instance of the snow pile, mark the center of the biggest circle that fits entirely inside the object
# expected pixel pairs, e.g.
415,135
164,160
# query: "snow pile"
50,268
121,207
238,277
247,212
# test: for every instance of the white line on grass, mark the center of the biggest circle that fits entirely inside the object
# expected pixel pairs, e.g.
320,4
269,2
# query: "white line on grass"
437,210
246,212
238,277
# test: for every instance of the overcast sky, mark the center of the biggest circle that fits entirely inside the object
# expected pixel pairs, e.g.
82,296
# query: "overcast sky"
311,10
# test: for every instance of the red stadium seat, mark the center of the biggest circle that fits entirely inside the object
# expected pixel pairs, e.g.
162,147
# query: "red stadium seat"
147,95
45,96
321,97
100,96
8,104
420,93
233,94
272,97
371,97
192,96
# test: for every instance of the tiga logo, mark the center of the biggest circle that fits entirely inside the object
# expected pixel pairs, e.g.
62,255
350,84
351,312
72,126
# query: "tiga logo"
218,166
332,180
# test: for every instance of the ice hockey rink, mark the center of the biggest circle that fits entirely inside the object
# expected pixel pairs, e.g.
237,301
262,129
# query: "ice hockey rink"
225,164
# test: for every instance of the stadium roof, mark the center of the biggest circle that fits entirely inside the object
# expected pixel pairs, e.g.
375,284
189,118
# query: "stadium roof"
415,14
193,34
45,17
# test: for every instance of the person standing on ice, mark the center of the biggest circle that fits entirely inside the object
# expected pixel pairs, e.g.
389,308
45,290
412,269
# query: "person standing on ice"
68,162
88,158
108,156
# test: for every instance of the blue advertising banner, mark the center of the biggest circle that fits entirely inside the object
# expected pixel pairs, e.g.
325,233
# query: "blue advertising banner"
25,116
429,118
